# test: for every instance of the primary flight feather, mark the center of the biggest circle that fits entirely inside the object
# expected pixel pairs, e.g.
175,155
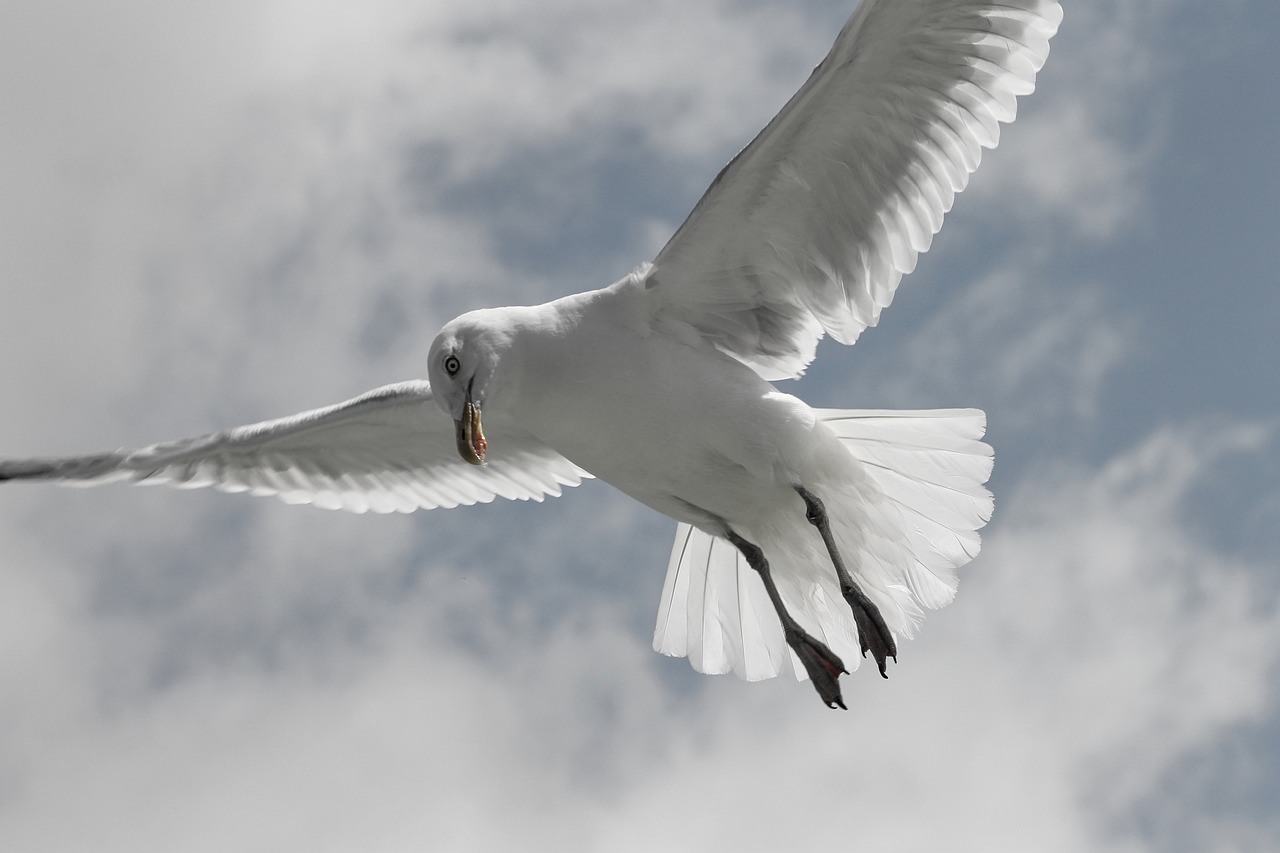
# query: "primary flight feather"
806,538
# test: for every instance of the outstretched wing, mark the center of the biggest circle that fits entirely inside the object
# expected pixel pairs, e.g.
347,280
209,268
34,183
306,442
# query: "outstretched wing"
390,450
811,227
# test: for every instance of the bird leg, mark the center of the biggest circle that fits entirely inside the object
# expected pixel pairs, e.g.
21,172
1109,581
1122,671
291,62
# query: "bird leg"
873,634
822,664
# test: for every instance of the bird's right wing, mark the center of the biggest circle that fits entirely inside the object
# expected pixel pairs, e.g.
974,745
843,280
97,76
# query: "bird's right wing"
390,450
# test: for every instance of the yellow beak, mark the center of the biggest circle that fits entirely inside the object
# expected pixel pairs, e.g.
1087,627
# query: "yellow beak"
470,434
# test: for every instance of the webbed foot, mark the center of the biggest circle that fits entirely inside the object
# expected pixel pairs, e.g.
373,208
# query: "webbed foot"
822,664
873,635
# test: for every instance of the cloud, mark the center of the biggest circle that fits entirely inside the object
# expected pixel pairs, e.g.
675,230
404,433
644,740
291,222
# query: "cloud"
332,707
1034,352
203,184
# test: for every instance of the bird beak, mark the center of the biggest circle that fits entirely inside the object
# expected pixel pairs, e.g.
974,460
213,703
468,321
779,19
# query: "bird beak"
471,441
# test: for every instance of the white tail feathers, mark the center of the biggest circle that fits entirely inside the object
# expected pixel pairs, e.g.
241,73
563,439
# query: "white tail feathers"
920,506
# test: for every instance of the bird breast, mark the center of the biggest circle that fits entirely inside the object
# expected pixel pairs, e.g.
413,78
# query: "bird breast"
683,428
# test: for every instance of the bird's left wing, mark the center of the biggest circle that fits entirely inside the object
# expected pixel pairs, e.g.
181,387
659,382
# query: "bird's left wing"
390,450
811,227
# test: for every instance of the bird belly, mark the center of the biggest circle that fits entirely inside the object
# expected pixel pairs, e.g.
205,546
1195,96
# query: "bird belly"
690,432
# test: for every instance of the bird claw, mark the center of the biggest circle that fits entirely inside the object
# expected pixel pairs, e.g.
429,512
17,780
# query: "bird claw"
823,666
873,634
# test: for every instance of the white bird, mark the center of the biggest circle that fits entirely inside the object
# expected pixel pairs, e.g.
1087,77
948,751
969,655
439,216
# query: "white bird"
806,537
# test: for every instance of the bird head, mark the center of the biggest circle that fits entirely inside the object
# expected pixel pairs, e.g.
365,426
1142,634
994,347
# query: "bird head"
463,362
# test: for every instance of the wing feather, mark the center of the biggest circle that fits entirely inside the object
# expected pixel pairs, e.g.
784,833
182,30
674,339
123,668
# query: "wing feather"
390,450
811,227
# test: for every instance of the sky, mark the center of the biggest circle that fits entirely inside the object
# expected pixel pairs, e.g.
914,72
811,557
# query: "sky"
212,214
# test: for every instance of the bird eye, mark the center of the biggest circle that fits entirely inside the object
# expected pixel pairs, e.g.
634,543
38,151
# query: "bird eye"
452,365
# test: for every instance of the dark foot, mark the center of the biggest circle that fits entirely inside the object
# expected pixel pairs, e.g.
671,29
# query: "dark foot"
820,662
823,666
873,634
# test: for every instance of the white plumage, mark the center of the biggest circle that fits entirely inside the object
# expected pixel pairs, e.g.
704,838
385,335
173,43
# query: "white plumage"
811,227
927,468
388,450
659,385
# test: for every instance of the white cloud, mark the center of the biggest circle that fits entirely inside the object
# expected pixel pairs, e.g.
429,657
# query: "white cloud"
1081,663
231,184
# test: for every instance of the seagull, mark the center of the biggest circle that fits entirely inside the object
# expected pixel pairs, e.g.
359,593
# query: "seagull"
806,538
